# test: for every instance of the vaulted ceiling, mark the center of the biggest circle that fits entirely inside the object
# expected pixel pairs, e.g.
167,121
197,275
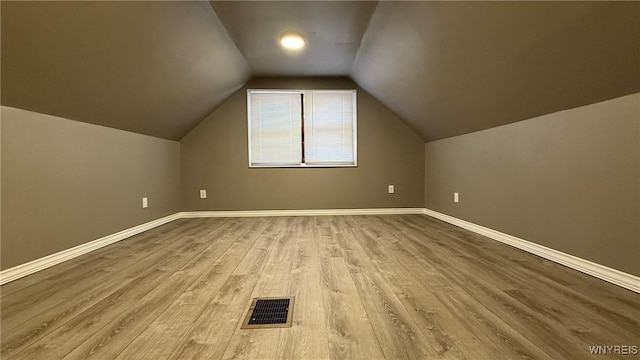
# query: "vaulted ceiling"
445,68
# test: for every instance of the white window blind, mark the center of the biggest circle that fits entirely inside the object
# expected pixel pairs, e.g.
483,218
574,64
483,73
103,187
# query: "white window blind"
275,128
329,127
290,128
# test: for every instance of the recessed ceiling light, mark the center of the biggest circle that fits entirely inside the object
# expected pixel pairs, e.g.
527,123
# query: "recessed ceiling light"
292,41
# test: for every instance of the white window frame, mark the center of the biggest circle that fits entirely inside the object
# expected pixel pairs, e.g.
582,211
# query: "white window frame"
303,164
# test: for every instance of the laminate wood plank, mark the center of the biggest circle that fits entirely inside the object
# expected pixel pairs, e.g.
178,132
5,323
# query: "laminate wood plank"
464,282
308,338
426,310
82,281
523,322
397,333
532,327
273,282
460,266
65,296
210,335
340,235
399,336
34,284
602,312
350,332
498,304
34,328
94,281
327,244
435,320
476,316
542,276
63,339
110,341
440,313
458,263
570,322
582,286
407,248
163,335
371,287
496,256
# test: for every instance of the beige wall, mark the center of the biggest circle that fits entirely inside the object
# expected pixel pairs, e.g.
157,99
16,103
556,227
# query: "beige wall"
214,157
569,180
65,183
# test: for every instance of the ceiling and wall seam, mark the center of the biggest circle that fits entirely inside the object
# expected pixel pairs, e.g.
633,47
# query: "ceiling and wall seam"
364,38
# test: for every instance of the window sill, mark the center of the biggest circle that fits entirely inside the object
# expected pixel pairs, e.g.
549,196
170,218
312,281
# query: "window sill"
302,166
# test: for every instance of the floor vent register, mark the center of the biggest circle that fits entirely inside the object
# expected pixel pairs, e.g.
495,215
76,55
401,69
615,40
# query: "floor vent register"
269,313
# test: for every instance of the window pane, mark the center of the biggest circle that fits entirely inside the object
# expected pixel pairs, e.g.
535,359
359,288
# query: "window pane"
275,128
330,127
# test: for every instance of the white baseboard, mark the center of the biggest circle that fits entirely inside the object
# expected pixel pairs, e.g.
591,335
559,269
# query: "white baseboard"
317,212
605,273
31,267
602,272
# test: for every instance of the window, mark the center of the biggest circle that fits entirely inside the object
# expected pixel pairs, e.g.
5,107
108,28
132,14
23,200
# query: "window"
292,128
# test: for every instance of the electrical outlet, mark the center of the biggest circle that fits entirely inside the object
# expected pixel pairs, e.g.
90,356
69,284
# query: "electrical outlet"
456,198
145,203
392,189
203,194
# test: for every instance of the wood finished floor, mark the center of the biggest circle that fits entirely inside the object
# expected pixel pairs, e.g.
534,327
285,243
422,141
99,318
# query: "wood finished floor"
366,287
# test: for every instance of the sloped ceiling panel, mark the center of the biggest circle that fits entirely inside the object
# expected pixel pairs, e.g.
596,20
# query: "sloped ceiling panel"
156,68
446,68
449,68
333,30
